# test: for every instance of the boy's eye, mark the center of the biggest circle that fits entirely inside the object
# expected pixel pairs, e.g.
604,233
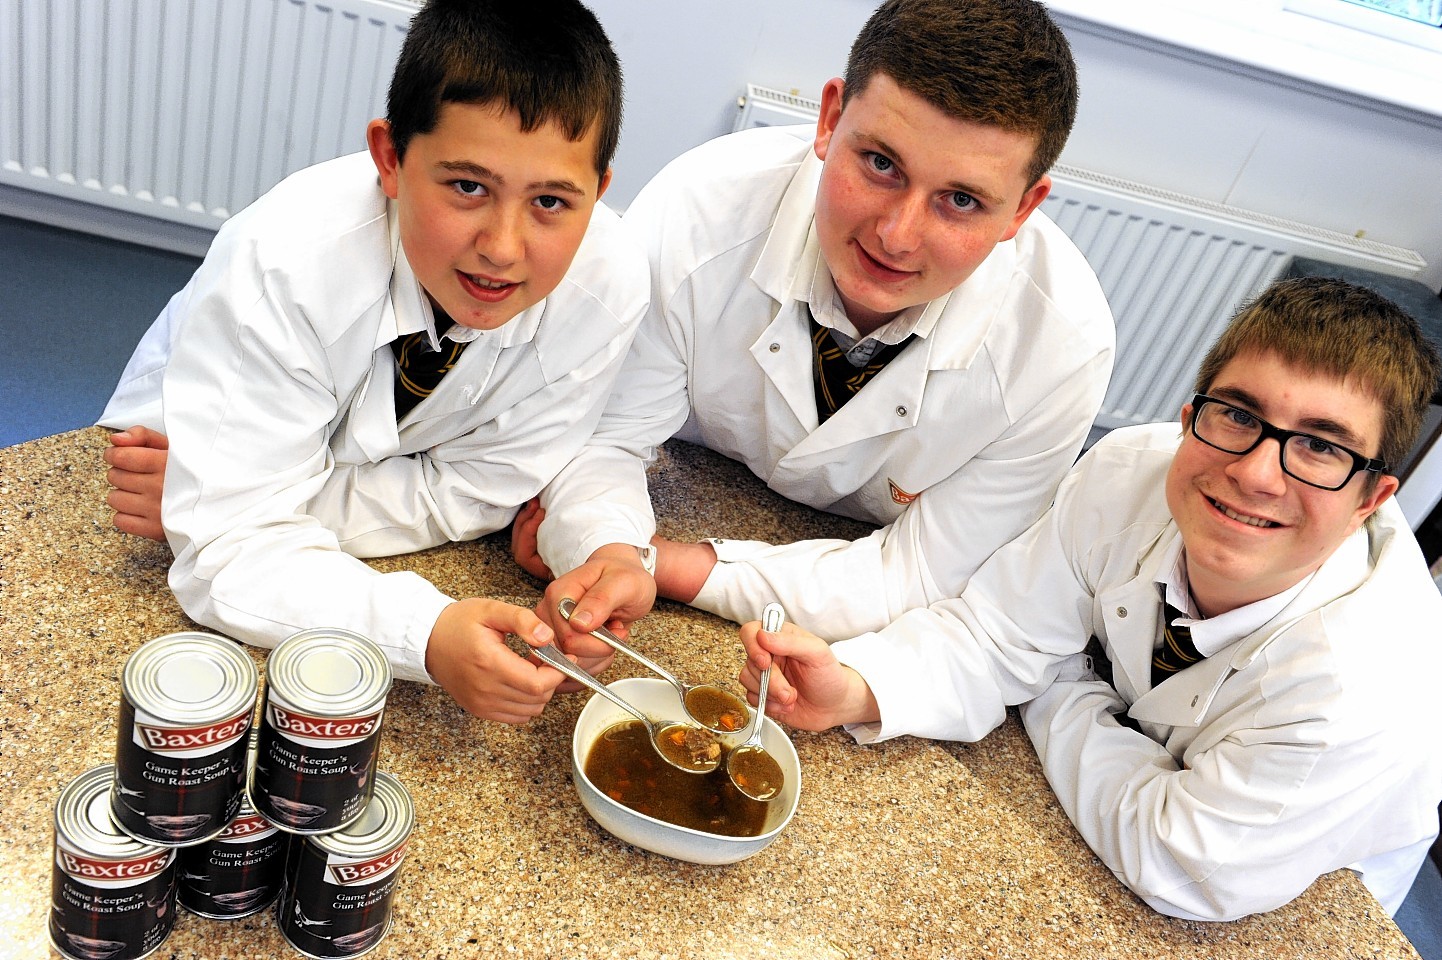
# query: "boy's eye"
549,202
469,188
878,162
962,201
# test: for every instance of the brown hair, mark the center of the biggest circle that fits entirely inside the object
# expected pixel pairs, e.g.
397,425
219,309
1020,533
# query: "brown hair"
1003,63
1339,329
549,60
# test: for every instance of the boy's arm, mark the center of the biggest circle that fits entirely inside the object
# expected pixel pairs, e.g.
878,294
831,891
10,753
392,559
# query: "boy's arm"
1242,828
933,548
950,670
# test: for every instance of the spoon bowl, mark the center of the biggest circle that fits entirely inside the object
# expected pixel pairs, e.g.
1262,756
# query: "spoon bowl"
688,748
752,770
710,706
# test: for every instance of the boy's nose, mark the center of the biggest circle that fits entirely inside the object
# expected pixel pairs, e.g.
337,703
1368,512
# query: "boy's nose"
501,241
900,225
1260,471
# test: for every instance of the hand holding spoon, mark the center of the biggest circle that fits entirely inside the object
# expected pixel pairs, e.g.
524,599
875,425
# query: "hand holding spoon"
754,771
683,746
707,704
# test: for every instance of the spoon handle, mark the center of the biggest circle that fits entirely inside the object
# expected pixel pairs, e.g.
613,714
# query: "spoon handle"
566,605
773,618
557,659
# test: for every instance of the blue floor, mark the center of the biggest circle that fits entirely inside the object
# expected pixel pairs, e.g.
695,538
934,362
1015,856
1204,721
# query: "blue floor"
71,311
75,307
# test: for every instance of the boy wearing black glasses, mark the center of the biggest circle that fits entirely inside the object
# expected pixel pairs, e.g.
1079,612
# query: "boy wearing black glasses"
1259,707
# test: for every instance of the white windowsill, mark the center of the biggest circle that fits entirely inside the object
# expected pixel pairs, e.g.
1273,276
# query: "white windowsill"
1268,35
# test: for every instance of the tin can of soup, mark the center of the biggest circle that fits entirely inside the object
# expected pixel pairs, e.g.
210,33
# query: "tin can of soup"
186,705
112,896
320,730
340,887
236,874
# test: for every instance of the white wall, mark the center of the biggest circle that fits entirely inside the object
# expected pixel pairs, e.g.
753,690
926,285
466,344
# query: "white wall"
686,62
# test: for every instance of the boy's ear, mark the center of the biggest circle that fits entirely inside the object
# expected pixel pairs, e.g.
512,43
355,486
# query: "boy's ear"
605,182
829,117
383,152
1029,202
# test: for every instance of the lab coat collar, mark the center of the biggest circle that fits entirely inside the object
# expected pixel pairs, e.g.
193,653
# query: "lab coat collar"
1185,697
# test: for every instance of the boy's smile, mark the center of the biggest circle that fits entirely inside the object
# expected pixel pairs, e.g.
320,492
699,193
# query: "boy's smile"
1250,530
911,199
490,215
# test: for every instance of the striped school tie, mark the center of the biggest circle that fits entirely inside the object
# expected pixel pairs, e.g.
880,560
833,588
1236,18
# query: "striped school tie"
834,377
418,368
1177,651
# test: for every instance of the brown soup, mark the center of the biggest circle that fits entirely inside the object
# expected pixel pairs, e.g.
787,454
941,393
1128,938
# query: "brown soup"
717,708
624,766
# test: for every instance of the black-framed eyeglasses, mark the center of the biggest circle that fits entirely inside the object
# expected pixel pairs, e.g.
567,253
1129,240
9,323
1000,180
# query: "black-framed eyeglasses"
1310,459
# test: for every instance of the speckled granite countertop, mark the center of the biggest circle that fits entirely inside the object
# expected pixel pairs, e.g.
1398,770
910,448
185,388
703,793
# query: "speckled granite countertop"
906,849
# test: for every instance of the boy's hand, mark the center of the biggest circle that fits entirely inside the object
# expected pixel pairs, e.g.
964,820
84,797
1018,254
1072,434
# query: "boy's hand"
523,540
611,588
682,568
810,689
137,476
467,655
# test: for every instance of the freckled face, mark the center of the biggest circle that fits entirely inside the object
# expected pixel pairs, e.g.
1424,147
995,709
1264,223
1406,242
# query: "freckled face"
912,200
490,216
1250,530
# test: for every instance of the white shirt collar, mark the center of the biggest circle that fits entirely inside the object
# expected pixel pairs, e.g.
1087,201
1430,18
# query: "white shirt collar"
1216,633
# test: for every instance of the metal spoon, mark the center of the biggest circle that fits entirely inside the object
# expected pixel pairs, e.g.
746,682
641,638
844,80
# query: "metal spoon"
669,739
716,709
754,771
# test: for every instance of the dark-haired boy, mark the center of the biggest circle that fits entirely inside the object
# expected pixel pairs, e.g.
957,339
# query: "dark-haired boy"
1265,711
388,352
871,316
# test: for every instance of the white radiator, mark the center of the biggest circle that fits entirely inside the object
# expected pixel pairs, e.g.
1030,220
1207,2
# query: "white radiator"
187,110
1174,268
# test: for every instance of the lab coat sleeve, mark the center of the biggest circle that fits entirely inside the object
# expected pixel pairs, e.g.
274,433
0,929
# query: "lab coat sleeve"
249,400
933,548
950,670
601,497
1244,825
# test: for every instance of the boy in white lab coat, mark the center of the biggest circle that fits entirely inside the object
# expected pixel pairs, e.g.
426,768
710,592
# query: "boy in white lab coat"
1263,707
394,350
872,316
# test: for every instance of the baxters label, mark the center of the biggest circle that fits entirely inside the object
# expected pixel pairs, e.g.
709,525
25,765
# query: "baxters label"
347,872
247,827
321,731
113,873
188,741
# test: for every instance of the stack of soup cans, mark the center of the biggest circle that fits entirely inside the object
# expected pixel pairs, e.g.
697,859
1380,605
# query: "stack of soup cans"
200,808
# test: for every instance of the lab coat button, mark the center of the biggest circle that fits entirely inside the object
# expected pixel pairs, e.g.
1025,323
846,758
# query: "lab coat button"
1122,612
901,411
775,348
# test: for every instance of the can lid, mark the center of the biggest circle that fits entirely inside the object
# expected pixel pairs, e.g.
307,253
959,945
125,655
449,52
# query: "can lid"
329,672
82,819
190,678
385,823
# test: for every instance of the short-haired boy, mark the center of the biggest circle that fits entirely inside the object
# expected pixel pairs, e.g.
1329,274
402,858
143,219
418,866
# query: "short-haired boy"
872,316
1263,709
292,377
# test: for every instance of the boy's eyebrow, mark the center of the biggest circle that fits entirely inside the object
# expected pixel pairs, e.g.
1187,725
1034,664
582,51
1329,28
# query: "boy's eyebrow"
1322,425
476,171
866,140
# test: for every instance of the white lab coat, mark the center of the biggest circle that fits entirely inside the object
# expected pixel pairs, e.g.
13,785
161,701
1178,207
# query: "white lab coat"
273,376
974,424
1303,747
